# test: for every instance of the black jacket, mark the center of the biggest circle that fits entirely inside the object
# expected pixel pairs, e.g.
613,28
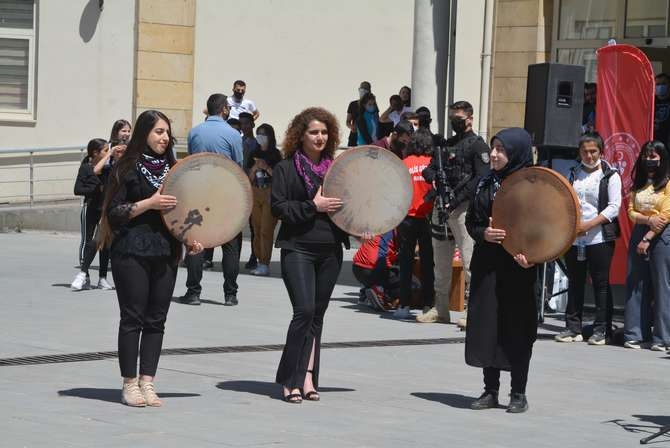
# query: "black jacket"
301,224
465,160
89,185
144,235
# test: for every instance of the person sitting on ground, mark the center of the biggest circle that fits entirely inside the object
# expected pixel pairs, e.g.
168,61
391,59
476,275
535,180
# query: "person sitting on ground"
372,267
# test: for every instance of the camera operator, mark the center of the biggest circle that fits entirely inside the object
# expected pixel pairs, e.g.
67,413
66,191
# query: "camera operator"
465,159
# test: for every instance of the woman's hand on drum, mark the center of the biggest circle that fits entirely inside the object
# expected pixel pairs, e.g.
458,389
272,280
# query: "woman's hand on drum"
522,261
494,235
657,223
194,247
324,204
160,201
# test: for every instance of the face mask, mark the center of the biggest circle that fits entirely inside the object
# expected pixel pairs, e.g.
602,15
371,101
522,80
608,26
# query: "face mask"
362,92
238,95
662,90
591,165
370,108
652,164
458,125
262,140
397,145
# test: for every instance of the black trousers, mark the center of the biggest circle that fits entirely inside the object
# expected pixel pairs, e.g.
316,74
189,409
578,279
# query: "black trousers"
230,261
519,374
88,248
381,275
598,261
310,278
410,232
144,288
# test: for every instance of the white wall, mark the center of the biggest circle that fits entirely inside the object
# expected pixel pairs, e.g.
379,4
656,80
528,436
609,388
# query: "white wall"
468,54
299,53
82,87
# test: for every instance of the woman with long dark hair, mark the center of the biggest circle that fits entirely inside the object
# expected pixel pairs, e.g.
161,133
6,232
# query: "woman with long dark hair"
260,163
144,254
502,321
118,138
367,124
648,278
311,245
90,183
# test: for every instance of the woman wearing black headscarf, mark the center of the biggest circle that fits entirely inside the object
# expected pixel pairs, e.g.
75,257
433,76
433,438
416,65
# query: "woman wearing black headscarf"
502,318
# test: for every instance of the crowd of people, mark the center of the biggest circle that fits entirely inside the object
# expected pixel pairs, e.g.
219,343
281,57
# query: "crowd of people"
454,183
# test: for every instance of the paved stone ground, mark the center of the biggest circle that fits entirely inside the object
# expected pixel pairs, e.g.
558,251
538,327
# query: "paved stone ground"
372,396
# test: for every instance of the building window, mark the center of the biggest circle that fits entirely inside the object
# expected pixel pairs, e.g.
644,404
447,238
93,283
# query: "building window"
587,19
17,59
647,18
581,56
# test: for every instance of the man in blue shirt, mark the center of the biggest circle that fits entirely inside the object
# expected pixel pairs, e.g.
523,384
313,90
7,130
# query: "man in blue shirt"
215,135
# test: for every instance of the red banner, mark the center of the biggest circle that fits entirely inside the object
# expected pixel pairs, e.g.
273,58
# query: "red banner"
625,120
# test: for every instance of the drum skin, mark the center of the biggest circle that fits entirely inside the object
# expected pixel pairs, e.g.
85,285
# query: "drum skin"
214,199
375,188
540,213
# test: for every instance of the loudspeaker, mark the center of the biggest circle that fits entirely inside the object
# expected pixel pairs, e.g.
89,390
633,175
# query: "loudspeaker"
554,104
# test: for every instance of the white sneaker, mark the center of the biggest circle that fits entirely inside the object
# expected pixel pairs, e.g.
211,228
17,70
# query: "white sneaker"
402,313
104,284
262,270
81,281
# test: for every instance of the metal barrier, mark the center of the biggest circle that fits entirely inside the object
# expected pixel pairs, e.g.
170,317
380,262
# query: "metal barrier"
33,156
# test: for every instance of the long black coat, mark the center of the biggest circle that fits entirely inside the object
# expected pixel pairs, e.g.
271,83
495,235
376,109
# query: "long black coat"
502,317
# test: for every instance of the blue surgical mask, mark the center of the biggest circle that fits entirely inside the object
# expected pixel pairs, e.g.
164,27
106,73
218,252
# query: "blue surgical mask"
662,90
370,108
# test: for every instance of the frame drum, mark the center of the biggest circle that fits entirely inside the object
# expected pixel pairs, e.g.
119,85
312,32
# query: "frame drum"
540,212
375,188
214,199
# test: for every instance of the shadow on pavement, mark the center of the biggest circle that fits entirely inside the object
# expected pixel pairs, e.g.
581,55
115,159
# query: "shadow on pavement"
176,299
453,400
110,395
266,388
656,422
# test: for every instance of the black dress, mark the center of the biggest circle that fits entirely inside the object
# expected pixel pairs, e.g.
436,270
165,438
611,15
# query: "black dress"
502,316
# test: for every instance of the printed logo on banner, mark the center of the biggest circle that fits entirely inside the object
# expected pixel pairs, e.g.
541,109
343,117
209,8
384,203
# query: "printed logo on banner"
621,150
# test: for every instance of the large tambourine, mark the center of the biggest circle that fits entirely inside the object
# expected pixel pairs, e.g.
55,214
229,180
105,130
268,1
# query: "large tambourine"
375,188
214,199
540,213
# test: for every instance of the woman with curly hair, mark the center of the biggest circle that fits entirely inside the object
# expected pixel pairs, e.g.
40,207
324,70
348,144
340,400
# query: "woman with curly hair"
310,243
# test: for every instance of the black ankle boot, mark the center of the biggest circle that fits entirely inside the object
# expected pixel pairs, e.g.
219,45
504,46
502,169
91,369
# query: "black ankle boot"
517,403
488,400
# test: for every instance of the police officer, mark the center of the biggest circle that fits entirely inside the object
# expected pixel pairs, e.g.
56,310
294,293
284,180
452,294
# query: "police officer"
465,158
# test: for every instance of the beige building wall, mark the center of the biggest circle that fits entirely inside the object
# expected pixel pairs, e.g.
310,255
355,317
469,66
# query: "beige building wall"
164,73
522,37
299,53
84,73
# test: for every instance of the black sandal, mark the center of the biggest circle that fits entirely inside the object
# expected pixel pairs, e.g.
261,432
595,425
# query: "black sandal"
293,398
312,395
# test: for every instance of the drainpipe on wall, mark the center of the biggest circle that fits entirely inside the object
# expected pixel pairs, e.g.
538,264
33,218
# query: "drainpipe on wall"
485,92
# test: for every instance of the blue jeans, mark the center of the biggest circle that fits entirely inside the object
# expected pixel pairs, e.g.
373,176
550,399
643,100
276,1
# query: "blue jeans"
646,282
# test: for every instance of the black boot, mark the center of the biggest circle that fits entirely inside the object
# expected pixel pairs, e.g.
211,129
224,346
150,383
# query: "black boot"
488,400
517,403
